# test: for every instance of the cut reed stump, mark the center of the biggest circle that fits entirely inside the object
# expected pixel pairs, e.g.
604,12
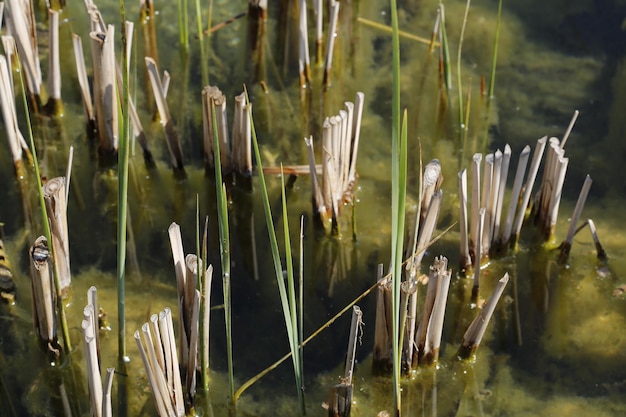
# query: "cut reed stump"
171,136
7,284
566,245
340,399
54,106
54,194
475,332
44,295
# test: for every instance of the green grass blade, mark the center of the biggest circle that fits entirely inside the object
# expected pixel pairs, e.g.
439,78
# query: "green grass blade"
494,57
462,126
291,292
397,207
222,216
278,270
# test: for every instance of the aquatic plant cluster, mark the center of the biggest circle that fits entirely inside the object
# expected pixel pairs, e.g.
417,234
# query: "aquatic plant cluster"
193,345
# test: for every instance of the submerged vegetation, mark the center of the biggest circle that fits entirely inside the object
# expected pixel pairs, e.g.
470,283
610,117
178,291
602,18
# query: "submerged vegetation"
439,268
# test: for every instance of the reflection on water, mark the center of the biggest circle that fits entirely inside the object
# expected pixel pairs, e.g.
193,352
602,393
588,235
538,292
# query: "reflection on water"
554,346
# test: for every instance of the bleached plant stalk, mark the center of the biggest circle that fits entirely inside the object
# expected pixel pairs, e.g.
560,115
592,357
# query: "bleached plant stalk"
356,131
596,241
91,357
152,379
107,410
83,82
475,203
466,260
14,136
431,182
334,15
318,197
357,319
485,240
92,300
304,63
21,24
569,129
44,297
556,197
435,323
211,93
319,34
382,326
176,244
528,187
242,137
475,332
478,258
173,143
105,92
543,200
513,204
566,245
56,207
54,65
408,289
430,223
427,309
504,173
495,192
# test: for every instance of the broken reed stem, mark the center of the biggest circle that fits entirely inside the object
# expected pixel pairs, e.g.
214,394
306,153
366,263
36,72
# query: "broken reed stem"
90,330
9,113
105,98
596,241
55,106
483,240
435,322
466,260
504,173
382,342
402,33
20,21
304,64
528,188
7,284
357,320
566,245
515,193
478,257
173,143
44,295
83,82
319,33
107,410
475,332
215,95
569,128
475,204
334,14
242,137
56,206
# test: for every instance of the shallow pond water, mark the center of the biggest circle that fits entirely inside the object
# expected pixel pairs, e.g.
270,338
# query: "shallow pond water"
555,345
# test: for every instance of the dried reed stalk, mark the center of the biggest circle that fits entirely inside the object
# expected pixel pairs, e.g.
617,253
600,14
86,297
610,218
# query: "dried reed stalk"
515,193
7,284
328,63
55,106
430,354
465,258
211,93
596,241
242,136
17,144
91,357
475,204
105,92
566,245
528,188
478,256
381,362
20,21
107,410
319,34
475,332
504,173
485,203
82,78
56,207
304,63
44,295
171,137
